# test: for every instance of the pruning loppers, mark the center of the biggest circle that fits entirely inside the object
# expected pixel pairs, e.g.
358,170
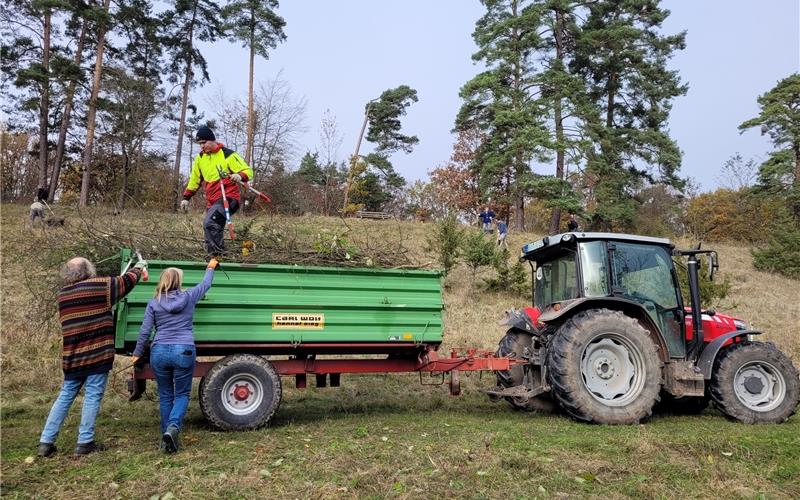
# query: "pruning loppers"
228,222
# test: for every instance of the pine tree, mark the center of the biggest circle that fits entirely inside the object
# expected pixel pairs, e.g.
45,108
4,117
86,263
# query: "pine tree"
622,57
102,27
500,101
28,57
561,92
188,22
80,21
259,28
382,115
779,117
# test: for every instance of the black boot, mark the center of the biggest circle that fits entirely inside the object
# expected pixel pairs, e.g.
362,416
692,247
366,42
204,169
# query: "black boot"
86,448
170,440
46,449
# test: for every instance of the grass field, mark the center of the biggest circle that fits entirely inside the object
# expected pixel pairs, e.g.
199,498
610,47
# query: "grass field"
384,436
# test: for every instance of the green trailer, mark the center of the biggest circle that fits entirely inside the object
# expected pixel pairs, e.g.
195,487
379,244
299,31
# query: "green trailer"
309,320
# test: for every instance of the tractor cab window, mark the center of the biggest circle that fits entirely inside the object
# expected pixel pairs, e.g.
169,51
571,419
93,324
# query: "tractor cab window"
595,269
644,273
555,281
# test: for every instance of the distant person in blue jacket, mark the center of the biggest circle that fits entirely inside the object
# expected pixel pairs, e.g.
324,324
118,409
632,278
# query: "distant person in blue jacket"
502,232
486,217
172,354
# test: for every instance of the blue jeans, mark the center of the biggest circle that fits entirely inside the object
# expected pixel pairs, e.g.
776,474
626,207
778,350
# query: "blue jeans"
173,365
94,388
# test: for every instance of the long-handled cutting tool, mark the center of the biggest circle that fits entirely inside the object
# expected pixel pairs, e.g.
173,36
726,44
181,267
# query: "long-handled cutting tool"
228,222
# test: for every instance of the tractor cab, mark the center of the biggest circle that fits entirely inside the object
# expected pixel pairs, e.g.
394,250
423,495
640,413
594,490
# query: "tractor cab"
636,273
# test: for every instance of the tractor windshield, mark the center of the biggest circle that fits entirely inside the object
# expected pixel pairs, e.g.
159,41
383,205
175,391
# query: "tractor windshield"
555,281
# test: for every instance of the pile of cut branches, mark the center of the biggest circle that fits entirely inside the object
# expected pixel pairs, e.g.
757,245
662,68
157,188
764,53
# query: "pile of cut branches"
99,235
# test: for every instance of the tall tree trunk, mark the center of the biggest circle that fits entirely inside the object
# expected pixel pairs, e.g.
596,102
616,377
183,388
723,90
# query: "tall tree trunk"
555,220
354,161
62,133
184,103
519,164
90,118
44,103
250,111
125,167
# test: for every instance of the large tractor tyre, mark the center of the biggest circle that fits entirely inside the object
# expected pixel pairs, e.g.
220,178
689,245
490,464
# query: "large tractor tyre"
241,392
671,405
604,368
755,383
514,343
200,390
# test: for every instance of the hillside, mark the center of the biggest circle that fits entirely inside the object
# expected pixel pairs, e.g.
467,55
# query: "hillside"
378,435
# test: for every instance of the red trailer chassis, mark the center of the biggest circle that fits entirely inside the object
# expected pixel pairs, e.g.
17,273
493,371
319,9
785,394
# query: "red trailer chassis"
428,361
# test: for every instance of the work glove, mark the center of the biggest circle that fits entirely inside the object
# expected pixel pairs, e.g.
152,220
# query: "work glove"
185,205
213,263
142,265
236,178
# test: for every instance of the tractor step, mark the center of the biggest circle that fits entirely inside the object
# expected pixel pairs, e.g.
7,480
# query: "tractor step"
518,391
683,379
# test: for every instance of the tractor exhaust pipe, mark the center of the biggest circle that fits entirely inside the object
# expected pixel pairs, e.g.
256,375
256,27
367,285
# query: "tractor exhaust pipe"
697,315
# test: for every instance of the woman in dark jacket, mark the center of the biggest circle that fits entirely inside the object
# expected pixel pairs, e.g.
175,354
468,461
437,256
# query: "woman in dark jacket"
172,353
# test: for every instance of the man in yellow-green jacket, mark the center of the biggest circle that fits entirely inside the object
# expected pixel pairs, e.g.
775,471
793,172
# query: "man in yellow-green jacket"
214,154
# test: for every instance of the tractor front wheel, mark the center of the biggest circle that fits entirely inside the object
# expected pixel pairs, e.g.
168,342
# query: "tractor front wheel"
604,368
755,383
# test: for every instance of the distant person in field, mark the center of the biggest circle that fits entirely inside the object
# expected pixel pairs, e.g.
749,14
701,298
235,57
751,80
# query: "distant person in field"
486,217
502,232
84,309
572,224
37,212
204,169
172,354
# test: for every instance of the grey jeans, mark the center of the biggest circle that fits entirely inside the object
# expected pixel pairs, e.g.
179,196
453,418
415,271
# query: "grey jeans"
214,225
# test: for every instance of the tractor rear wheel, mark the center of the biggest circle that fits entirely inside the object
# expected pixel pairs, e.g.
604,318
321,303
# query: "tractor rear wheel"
604,368
240,392
200,390
755,383
514,343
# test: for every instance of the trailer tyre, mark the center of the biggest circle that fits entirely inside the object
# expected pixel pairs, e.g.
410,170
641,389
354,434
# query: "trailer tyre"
514,343
755,383
241,392
603,367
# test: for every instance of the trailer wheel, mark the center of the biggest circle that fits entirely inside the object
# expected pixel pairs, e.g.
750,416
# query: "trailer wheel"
514,343
240,392
604,368
755,383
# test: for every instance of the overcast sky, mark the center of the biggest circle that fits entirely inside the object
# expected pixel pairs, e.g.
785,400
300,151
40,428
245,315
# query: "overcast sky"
338,55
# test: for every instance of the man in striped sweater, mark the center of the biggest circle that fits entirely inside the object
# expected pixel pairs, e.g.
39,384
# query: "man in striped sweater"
87,324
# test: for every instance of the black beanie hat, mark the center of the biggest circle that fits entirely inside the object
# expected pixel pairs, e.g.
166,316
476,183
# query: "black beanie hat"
205,134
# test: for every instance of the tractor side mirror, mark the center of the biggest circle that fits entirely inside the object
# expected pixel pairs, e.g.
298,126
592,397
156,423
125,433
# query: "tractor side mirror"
713,264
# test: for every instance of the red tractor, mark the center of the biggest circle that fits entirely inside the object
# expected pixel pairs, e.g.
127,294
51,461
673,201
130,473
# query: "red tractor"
609,337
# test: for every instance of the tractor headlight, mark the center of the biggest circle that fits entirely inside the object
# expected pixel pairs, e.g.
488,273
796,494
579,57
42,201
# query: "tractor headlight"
566,237
741,325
